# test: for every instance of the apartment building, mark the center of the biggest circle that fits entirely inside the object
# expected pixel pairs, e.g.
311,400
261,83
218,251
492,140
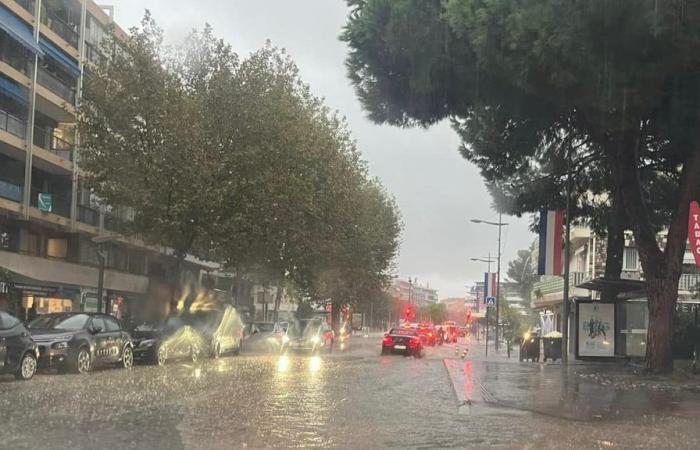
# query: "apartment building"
48,222
412,293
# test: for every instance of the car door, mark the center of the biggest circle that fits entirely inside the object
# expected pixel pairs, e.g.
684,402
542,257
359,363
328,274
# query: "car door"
102,340
12,341
115,338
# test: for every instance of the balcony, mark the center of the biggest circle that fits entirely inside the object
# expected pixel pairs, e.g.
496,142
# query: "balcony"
60,201
13,124
88,215
62,28
44,138
15,56
27,4
10,191
689,282
58,87
550,290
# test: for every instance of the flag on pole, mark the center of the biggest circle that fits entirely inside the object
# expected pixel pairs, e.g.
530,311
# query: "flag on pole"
551,243
490,288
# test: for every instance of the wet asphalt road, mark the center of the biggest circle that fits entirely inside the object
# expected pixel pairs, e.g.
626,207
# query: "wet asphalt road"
354,399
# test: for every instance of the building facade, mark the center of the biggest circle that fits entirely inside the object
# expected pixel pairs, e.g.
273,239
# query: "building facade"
49,224
411,293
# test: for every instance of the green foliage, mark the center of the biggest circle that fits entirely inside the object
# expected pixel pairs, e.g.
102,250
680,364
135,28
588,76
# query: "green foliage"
434,312
236,161
522,271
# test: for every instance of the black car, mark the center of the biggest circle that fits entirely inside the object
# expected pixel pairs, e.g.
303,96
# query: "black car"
78,341
18,351
405,341
221,330
162,342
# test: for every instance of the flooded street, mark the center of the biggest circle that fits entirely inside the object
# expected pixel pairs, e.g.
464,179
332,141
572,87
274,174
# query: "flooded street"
353,399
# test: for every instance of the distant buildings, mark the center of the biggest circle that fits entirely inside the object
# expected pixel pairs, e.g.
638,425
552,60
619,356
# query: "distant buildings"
412,293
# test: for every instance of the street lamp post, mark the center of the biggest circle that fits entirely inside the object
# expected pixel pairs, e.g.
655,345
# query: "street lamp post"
100,241
500,224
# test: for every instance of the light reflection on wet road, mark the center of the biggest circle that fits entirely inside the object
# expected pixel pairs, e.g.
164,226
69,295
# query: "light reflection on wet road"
356,399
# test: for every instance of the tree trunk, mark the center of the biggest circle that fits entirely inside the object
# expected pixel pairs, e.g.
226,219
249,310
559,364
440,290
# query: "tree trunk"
661,269
661,304
276,307
615,245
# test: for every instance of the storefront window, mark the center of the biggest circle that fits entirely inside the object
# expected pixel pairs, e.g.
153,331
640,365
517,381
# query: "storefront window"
634,325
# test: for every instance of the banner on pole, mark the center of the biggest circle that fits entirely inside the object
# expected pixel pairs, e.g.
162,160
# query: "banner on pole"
490,288
694,230
551,243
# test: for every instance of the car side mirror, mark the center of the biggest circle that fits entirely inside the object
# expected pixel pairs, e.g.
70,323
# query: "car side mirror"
95,330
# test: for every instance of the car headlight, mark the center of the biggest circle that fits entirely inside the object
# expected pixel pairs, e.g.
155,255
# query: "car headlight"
285,339
315,339
60,345
147,343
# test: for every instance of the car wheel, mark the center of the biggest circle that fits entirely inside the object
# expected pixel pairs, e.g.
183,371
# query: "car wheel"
162,355
128,358
82,361
27,367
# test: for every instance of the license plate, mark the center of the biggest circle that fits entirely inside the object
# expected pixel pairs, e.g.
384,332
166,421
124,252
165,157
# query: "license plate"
400,347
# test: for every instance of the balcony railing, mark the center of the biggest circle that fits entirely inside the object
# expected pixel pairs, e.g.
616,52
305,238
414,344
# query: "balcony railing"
10,191
13,124
93,53
27,4
56,86
556,285
44,138
60,202
88,215
689,282
60,27
13,55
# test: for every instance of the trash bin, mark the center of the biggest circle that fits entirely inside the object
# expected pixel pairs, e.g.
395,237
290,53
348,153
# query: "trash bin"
552,346
530,348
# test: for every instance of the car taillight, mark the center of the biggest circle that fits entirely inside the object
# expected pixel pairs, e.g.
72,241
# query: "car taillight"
388,341
413,342
430,334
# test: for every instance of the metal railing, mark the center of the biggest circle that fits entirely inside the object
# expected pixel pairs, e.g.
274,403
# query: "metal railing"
60,202
555,285
60,27
88,215
689,282
14,56
13,124
10,191
44,138
27,4
58,87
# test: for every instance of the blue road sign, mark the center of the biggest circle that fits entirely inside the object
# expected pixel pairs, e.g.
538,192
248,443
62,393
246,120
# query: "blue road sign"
490,301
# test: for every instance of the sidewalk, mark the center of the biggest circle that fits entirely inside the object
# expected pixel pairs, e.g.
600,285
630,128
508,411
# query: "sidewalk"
574,392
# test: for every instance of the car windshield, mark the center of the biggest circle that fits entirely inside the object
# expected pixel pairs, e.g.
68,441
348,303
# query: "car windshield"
265,327
304,328
60,322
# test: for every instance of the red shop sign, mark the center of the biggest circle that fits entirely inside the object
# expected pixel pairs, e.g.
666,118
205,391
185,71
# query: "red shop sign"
694,231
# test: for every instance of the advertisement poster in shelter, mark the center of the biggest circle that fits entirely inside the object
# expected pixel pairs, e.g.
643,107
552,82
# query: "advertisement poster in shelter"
596,333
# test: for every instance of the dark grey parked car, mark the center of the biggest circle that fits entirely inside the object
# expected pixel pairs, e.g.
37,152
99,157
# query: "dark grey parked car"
78,341
18,351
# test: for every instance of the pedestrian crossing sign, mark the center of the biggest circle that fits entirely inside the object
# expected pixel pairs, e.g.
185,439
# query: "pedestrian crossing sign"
490,301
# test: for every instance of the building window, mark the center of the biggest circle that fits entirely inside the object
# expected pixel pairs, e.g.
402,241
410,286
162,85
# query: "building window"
57,248
630,259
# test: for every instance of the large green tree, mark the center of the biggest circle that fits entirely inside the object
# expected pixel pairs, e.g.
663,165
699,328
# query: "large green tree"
616,79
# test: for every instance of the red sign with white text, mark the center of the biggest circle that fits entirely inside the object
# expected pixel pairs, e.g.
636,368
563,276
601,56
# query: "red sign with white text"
694,231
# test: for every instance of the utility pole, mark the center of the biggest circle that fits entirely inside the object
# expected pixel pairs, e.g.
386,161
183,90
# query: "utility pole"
567,250
498,277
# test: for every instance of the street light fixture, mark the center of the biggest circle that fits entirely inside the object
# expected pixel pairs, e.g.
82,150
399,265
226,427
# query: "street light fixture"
500,224
100,241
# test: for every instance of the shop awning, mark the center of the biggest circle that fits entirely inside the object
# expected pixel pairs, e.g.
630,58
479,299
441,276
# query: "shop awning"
18,30
57,55
14,91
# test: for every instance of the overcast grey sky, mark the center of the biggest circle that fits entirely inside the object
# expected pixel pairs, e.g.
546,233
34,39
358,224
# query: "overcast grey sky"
437,191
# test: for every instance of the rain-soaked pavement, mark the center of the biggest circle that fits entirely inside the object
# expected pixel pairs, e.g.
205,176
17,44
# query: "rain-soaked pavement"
354,399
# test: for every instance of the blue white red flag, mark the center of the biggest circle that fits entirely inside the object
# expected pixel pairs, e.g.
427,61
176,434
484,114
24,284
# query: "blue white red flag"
551,243
490,288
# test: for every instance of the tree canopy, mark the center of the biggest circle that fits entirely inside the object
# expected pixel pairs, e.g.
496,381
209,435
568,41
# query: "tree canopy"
236,161
607,91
